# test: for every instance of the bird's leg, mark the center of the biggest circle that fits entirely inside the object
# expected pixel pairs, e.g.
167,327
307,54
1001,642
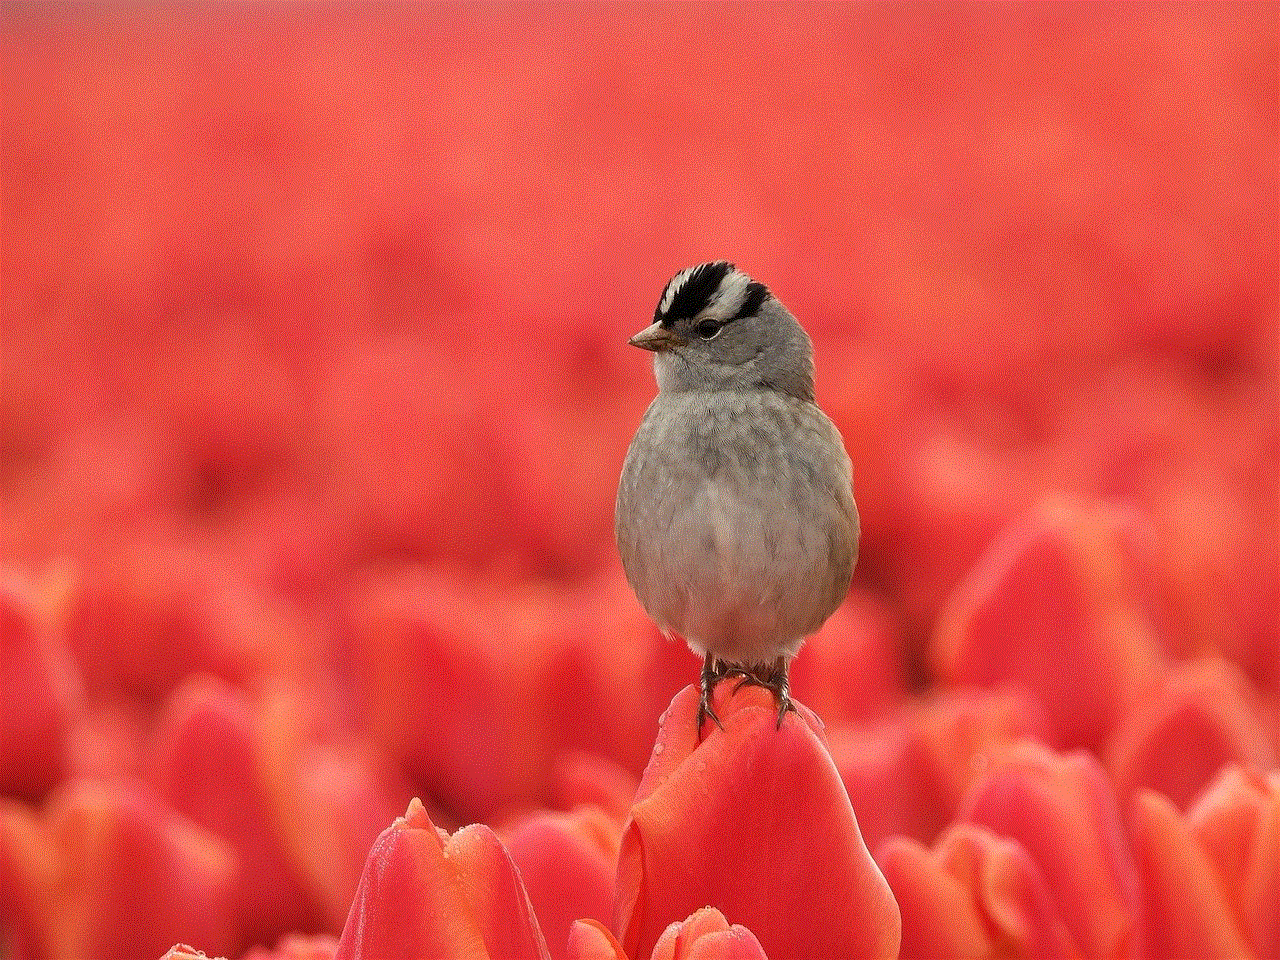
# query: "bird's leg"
781,687
712,673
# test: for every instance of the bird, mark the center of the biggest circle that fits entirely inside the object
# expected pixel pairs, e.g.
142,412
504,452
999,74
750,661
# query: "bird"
735,517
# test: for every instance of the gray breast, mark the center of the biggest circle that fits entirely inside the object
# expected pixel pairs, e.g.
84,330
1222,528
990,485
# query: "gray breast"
735,520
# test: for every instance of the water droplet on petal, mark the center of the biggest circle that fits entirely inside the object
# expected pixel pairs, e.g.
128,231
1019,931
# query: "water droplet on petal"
657,747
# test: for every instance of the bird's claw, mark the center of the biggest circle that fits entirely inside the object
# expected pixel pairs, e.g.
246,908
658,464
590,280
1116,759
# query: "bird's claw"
775,681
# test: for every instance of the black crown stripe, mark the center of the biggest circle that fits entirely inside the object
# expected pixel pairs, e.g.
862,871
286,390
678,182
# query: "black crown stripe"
695,293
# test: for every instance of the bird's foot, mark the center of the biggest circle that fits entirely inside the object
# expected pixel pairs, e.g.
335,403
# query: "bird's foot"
775,681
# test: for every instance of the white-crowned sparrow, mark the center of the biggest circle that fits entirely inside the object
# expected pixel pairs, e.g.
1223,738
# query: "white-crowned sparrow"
735,515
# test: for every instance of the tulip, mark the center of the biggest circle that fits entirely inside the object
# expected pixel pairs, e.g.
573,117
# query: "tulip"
296,946
1062,811
755,821
208,767
974,895
1211,876
851,670
579,779
1063,586
706,935
109,871
1202,717
138,625
442,683
293,946
425,894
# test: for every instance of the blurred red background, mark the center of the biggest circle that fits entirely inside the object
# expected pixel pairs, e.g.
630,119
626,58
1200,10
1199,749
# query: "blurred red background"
314,385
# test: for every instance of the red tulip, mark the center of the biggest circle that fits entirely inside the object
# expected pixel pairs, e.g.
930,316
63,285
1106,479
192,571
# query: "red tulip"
331,795
1212,876
1060,587
738,821
1202,717
579,779
209,767
427,894
974,895
706,935
139,624
852,668
1062,811
292,946
109,871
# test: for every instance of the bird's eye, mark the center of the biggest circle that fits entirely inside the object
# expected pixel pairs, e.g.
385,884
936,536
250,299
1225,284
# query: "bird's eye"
709,329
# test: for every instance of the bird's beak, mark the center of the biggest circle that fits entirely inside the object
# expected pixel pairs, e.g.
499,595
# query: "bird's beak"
655,337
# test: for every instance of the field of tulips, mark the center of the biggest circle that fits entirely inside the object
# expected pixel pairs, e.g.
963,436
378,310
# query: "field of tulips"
314,393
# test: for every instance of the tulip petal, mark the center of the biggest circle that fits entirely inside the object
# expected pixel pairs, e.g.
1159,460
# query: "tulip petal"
732,822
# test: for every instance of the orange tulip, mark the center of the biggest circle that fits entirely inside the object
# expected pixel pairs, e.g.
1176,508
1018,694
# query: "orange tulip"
754,820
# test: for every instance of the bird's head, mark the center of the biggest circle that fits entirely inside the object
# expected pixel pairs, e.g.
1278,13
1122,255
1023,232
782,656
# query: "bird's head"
717,329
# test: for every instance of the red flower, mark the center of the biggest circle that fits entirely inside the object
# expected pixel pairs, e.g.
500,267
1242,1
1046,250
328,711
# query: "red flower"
427,894
1202,717
1060,587
706,935
40,692
974,895
755,821
568,862
1061,810
108,871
